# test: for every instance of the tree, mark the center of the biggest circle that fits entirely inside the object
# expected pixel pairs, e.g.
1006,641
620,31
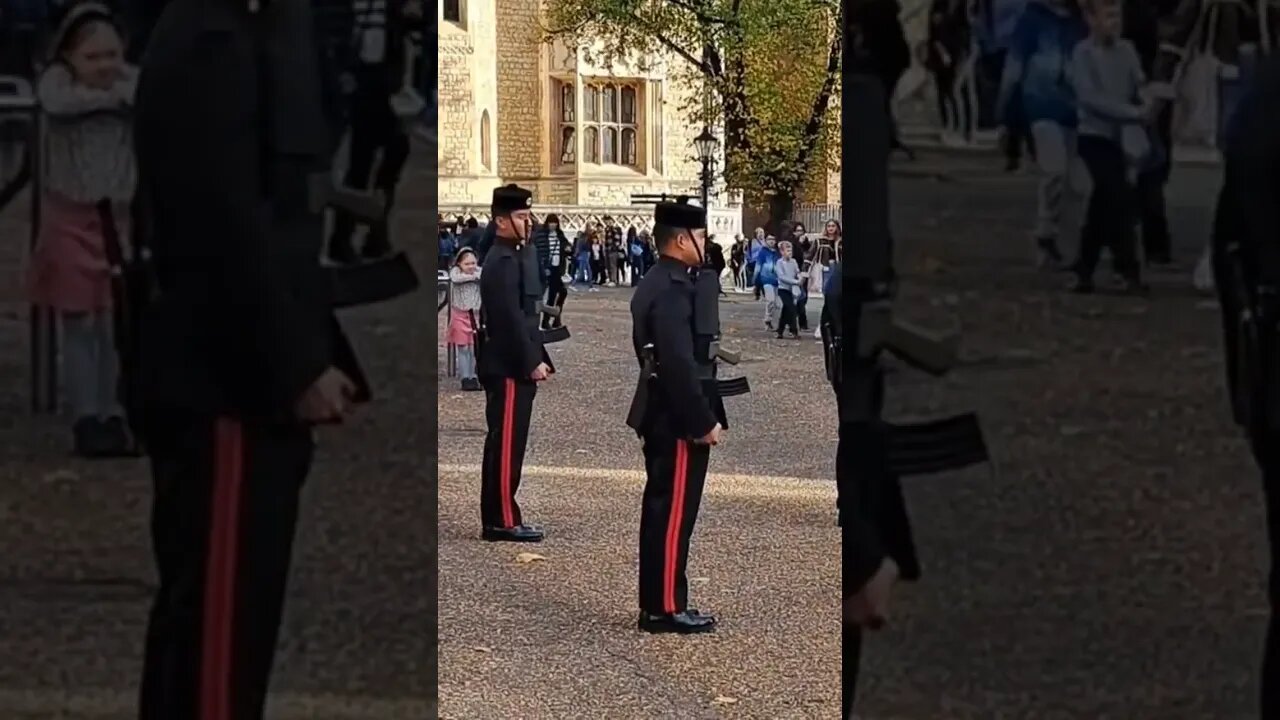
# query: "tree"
771,69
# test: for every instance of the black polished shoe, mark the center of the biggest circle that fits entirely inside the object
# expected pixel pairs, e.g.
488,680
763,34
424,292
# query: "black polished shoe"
471,384
519,533
684,623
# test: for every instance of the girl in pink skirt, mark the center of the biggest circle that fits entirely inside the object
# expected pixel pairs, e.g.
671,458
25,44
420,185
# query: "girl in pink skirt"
464,312
86,94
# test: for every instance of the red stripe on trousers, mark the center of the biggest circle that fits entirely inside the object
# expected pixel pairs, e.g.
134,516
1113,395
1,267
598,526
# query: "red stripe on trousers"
220,571
508,430
674,520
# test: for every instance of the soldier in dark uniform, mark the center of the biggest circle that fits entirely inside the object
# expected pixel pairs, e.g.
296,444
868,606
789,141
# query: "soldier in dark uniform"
1246,254
511,364
674,417
877,545
240,348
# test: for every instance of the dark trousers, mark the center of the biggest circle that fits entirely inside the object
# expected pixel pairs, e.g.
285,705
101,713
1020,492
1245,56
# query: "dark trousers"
852,644
1109,219
222,525
1156,240
675,470
788,317
802,312
1267,454
557,293
374,127
507,407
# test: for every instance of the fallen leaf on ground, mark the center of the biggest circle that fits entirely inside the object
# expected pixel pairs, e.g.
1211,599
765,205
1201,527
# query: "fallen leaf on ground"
528,557
483,649
724,700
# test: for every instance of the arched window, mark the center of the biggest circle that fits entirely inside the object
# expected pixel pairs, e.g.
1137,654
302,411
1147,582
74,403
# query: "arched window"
486,142
591,144
611,122
611,146
568,146
629,146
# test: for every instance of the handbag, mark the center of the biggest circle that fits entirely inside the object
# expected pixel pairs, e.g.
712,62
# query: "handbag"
133,288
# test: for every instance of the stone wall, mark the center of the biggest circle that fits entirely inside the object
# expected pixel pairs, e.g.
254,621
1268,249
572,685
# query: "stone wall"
458,120
521,91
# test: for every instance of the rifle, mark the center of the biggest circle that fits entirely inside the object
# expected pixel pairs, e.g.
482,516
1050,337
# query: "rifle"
912,449
368,282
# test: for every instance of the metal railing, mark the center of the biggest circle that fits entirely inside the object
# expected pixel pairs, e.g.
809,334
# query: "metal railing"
18,105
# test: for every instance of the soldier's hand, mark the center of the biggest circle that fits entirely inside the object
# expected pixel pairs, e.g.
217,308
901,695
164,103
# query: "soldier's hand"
327,399
869,607
713,437
540,373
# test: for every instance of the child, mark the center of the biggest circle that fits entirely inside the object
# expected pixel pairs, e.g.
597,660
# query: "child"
788,273
87,93
464,304
1107,75
767,279
1036,91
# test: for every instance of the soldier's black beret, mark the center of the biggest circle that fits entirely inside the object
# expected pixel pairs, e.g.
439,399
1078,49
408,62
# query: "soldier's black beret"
510,198
680,215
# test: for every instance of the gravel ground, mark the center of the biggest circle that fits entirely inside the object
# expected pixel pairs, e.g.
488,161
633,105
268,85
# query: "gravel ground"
555,638
1109,564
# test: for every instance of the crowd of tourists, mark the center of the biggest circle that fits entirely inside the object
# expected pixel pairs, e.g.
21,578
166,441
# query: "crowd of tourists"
1066,81
781,271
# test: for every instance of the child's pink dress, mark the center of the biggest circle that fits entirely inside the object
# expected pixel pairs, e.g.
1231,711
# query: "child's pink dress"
69,270
461,331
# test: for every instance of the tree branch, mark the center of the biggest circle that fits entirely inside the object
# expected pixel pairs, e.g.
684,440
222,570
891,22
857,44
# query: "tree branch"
685,54
699,14
823,102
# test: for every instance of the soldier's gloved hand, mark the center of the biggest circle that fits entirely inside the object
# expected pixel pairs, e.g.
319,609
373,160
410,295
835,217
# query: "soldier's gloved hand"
327,399
540,373
713,437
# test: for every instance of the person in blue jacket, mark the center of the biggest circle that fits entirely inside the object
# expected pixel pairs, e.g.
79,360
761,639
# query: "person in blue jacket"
1036,89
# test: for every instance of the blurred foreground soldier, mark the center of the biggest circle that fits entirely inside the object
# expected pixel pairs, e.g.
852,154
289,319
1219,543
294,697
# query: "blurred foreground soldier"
240,349
1246,255
674,417
876,539
512,361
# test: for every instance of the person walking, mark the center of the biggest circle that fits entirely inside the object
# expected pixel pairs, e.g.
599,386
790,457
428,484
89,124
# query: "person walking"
1036,88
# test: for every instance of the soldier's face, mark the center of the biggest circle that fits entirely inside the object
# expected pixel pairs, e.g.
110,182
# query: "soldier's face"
516,224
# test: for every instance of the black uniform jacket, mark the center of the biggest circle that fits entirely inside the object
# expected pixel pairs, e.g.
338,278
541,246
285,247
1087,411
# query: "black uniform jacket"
662,315
875,522
1248,209
513,342
230,128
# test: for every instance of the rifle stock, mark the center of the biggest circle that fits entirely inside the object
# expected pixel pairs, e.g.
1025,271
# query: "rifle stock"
931,352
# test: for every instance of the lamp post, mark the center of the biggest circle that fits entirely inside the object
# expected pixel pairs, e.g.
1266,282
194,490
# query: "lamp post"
706,144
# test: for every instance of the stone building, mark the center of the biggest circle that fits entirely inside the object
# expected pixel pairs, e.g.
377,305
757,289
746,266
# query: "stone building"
583,138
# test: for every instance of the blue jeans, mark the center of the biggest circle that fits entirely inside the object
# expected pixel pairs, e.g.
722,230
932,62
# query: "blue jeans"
466,361
584,269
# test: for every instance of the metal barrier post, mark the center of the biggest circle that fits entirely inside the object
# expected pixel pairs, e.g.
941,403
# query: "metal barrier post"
17,98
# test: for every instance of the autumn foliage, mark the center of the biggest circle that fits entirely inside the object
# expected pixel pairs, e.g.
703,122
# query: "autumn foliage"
771,69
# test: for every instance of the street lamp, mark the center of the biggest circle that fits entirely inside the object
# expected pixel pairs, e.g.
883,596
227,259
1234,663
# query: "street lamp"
706,144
